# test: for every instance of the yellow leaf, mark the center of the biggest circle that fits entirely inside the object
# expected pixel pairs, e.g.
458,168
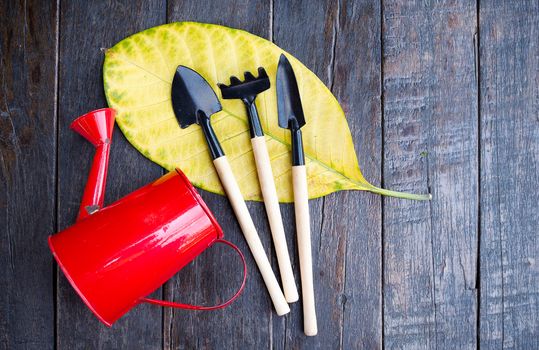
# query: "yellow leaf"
137,75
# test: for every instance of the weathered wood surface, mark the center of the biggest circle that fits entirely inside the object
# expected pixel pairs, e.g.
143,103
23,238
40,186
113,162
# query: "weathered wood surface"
509,274
347,289
328,251
87,27
27,183
430,144
357,86
459,271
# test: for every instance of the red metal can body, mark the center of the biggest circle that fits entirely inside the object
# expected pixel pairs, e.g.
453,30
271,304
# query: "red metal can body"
122,253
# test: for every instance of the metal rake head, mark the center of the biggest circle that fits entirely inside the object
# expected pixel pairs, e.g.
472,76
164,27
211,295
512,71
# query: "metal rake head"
249,87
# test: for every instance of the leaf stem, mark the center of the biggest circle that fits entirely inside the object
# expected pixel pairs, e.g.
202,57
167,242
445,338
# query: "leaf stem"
396,194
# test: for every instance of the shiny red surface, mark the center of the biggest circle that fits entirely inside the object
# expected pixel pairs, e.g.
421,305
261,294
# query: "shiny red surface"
96,127
122,253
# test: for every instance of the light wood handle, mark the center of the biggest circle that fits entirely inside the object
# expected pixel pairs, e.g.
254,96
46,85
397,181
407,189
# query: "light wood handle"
303,228
251,236
271,201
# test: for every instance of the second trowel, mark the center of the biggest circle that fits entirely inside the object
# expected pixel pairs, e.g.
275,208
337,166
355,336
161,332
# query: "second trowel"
291,117
194,101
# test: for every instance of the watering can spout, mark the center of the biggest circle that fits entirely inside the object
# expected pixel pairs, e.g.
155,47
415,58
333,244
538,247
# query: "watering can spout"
96,127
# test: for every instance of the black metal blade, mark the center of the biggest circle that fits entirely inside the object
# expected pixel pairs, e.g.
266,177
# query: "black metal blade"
288,98
191,94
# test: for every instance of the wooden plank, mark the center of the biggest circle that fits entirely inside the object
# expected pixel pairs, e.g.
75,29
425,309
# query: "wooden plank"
312,43
340,42
28,49
86,27
509,56
357,86
246,324
430,144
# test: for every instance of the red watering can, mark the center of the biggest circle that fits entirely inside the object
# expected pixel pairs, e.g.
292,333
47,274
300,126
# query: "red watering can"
115,256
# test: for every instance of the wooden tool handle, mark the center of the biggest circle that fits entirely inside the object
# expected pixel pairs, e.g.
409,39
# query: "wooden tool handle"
251,236
271,201
303,228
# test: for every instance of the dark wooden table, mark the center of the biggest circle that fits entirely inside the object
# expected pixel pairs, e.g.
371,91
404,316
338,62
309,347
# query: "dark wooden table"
441,96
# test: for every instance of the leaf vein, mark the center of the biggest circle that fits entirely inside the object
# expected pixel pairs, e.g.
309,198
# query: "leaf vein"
126,60
307,155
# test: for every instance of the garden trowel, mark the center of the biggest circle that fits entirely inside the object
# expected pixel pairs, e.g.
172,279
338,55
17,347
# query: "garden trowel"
194,101
291,117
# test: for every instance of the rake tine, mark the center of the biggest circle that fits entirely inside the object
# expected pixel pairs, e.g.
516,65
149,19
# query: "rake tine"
262,73
249,76
234,81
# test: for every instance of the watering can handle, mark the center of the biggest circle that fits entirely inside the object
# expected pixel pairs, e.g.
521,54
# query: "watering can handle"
200,307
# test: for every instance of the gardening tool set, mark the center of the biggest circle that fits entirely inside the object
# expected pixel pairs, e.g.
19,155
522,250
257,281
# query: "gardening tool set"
115,256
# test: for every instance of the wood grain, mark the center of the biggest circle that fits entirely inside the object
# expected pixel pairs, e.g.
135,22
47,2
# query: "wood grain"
430,144
358,215
340,43
85,28
246,324
27,180
309,38
509,175
388,273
